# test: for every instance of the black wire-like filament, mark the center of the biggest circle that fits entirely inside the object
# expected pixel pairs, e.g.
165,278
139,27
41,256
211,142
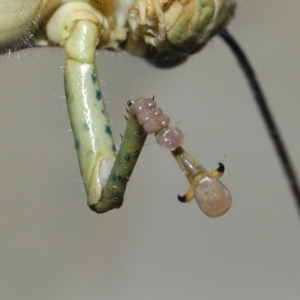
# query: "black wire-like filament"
265,113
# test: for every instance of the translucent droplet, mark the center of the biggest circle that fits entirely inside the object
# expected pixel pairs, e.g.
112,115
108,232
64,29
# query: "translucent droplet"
151,126
212,197
149,103
156,111
143,116
170,138
163,121
137,106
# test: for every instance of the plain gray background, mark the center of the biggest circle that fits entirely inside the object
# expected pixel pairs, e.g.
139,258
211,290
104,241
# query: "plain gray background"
53,247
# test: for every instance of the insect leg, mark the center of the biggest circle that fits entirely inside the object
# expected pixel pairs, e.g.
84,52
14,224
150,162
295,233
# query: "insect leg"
93,138
131,146
78,28
211,195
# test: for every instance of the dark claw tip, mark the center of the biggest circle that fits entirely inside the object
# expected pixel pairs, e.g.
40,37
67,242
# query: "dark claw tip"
221,168
129,103
181,198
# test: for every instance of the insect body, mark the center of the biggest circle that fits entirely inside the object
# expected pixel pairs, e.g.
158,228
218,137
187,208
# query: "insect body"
165,32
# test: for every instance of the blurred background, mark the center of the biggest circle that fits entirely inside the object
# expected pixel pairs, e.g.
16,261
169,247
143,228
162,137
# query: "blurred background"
53,247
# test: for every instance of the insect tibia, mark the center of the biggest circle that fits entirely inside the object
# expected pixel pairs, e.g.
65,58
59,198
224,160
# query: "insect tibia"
132,143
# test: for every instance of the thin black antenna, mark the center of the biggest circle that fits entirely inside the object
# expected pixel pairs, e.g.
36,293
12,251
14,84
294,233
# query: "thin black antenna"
265,113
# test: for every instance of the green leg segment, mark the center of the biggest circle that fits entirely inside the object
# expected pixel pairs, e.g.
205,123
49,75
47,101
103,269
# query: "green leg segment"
132,144
105,176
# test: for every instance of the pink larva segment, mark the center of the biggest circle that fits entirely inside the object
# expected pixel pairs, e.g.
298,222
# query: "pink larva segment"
170,138
153,121
149,103
212,197
151,126
137,107
144,116
157,111
163,121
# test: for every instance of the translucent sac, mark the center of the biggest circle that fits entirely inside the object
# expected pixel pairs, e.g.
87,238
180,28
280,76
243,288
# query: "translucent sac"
157,111
170,138
212,197
149,103
151,126
144,116
137,107
163,121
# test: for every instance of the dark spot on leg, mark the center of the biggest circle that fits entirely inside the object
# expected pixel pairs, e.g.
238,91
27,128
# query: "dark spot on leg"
127,157
98,95
94,77
77,144
114,177
136,153
86,126
107,129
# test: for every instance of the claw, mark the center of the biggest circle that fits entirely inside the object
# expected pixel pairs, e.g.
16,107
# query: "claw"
189,196
181,198
218,173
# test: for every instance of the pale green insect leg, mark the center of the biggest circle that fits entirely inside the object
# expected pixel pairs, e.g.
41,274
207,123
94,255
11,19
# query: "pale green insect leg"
104,177
92,133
